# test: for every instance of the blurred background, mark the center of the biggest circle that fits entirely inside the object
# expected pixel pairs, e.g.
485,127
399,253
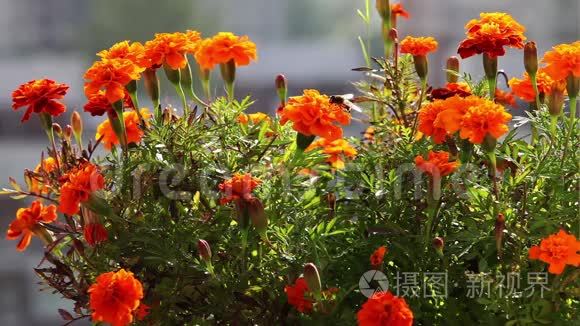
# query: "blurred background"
313,42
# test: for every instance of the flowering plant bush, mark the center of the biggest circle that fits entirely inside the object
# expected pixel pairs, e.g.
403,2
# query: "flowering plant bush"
445,213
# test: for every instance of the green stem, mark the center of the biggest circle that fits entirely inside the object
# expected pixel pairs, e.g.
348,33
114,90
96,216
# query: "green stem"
534,80
553,124
181,95
491,82
571,127
419,103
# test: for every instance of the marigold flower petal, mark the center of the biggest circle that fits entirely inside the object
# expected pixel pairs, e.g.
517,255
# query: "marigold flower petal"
383,308
40,96
418,46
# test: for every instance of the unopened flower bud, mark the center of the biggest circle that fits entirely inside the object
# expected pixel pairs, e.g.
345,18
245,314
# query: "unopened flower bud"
556,99
68,131
57,129
438,243
531,58
453,69
421,66
258,215
394,35
281,87
384,9
77,123
204,250
499,228
312,278
572,85
167,115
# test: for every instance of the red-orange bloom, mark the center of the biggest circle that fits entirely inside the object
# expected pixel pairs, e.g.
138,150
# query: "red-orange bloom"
296,295
437,164
336,150
378,256
111,75
558,250
563,60
77,187
451,89
239,187
523,88
98,104
490,33
484,118
95,233
142,312
397,9
313,114
224,47
27,222
418,46
39,96
383,309
132,129
123,50
170,48
504,98
115,297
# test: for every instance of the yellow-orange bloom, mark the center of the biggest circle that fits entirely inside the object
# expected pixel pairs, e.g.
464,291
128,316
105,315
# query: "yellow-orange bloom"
522,87
437,164
170,48
123,50
27,222
418,46
558,250
115,297
254,118
239,187
337,150
484,118
111,75
490,33
47,166
77,187
313,114
563,60
132,128
39,96
224,47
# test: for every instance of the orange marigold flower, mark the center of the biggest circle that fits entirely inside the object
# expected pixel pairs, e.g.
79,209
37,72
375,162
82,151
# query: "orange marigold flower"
123,50
255,118
437,164
296,295
111,75
95,233
418,46
239,187
115,297
132,128
170,48
77,187
428,116
523,88
558,250
484,118
383,308
313,114
224,47
336,150
397,9
27,222
47,166
98,104
378,256
504,98
39,96
451,89
490,33
563,60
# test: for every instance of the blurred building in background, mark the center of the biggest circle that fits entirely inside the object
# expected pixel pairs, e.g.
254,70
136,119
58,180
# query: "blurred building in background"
313,42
